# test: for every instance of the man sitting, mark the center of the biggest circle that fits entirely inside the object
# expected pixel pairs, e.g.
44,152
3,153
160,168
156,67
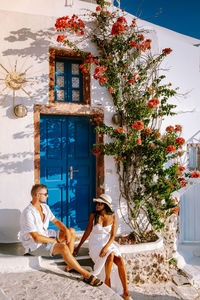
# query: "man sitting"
39,241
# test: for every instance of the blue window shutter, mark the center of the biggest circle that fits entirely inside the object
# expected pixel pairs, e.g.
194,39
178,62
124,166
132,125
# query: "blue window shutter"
68,81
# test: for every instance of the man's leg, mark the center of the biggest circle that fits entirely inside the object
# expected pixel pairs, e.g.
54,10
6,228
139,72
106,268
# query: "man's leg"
68,237
71,261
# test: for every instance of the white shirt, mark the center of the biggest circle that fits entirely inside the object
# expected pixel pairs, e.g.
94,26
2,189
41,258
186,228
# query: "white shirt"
31,221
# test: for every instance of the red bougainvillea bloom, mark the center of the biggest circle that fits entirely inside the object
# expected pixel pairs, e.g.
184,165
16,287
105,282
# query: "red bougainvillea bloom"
178,128
99,73
111,90
133,44
157,134
170,128
117,28
60,38
180,141
175,210
96,151
181,168
131,80
74,24
138,141
153,103
98,8
138,125
167,51
182,182
147,131
195,174
120,130
171,148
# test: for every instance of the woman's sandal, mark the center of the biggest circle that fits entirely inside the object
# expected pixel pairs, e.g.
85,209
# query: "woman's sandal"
96,283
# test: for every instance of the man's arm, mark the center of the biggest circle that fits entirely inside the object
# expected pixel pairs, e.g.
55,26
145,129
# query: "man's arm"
62,227
38,238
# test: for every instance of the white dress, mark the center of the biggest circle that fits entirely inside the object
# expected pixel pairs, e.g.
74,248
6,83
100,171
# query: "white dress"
99,237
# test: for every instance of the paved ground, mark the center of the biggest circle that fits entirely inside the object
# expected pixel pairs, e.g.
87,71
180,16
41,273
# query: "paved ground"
53,283
60,285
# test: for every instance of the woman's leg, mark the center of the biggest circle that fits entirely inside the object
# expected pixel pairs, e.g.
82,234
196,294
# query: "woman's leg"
108,267
122,274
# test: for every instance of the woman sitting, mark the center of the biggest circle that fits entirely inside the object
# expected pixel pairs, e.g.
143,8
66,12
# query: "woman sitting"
101,228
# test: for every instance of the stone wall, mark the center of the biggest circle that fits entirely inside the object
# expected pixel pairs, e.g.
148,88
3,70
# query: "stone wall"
169,235
147,266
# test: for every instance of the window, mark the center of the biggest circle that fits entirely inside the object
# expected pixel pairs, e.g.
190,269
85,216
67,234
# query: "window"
68,81
193,151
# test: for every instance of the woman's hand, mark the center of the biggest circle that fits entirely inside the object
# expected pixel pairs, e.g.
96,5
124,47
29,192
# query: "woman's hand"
103,252
76,250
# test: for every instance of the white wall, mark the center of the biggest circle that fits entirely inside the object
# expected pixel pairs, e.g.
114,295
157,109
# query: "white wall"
27,31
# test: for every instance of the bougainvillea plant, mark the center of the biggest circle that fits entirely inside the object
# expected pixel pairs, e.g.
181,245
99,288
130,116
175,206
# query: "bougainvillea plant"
127,68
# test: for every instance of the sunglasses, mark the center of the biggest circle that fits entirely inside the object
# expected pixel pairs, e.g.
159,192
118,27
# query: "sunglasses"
45,194
99,203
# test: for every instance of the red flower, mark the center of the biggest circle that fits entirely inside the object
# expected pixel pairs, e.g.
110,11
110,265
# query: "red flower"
98,8
96,151
167,51
153,103
120,130
181,168
170,128
147,131
175,210
111,90
180,141
178,128
131,80
171,148
60,38
133,44
138,141
195,174
138,125
157,134
117,28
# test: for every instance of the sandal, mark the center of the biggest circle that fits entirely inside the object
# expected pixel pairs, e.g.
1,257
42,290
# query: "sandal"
96,283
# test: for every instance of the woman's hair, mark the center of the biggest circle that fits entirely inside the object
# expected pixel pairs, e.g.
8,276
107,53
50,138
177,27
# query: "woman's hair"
97,213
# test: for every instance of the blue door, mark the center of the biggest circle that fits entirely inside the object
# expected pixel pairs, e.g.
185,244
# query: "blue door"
67,167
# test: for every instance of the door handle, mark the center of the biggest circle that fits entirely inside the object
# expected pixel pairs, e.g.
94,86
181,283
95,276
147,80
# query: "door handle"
71,171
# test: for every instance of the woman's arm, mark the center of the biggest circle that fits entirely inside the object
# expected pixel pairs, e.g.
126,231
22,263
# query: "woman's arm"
86,233
111,239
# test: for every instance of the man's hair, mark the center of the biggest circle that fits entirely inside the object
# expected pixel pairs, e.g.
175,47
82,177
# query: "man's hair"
36,188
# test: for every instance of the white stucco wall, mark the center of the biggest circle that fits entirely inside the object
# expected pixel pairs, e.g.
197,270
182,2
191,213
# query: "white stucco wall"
27,31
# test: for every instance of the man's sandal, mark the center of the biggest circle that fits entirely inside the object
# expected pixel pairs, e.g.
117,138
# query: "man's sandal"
96,283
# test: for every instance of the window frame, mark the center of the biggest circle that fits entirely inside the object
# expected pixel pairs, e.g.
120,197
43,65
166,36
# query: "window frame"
61,54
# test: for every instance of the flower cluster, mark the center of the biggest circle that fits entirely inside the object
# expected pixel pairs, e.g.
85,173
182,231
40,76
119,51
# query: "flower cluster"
153,103
99,73
195,174
74,24
119,26
138,125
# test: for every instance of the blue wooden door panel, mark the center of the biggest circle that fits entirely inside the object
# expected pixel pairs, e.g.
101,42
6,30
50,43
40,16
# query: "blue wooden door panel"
66,143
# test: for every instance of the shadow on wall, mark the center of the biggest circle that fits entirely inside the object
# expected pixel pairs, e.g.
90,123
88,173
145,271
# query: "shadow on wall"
9,225
41,40
16,163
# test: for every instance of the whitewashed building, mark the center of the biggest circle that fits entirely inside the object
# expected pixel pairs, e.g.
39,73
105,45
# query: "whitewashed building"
49,144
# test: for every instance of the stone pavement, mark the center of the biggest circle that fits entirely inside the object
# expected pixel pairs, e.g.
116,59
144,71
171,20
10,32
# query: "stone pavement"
56,284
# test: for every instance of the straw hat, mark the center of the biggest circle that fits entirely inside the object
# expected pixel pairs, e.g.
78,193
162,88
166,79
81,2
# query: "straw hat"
104,198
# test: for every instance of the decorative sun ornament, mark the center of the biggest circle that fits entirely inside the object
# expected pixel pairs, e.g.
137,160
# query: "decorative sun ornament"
14,81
